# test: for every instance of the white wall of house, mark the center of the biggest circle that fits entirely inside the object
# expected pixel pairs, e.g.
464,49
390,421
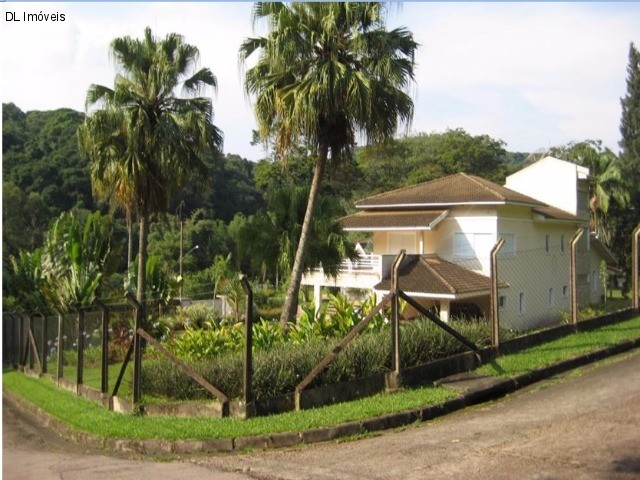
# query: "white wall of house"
468,227
537,269
556,182
466,237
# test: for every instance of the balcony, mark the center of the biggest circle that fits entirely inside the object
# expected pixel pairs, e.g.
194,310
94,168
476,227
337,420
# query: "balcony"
364,272
365,263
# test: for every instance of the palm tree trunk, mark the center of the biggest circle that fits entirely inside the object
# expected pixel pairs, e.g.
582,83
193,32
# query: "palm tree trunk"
129,239
290,307
142,258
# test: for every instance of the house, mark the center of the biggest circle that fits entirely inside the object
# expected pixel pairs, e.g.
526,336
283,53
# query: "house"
448,228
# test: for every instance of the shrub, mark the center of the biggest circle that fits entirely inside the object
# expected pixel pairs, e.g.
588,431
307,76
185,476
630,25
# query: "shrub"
279,366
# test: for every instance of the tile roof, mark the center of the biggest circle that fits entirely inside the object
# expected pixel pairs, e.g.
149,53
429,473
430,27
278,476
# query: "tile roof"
431,275
457,189
381,220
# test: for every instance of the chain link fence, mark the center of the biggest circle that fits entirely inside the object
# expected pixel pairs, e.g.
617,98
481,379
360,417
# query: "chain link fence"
69,346
535,286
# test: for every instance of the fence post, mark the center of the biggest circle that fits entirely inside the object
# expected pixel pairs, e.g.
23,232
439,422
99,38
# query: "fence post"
6,351
495,318
59,365
80,368
104,386
394,380
634,266
137,349
8,339
573,299
248,349
43,342
22,353
29,345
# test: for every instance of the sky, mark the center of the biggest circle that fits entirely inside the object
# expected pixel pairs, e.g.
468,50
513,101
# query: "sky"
534,75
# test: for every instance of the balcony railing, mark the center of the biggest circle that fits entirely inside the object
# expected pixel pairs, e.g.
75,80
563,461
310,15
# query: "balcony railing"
368,263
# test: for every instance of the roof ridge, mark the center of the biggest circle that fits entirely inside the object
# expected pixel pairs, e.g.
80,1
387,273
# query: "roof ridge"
423,260
477,181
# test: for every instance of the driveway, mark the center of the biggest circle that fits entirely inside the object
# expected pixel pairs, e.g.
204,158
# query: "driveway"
584,425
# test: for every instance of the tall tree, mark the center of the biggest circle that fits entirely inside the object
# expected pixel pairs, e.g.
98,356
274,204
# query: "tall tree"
144,137
630,122
630,156
324,72
607,187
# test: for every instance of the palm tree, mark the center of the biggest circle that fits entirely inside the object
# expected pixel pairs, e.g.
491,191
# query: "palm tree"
325,72
607,185
144,140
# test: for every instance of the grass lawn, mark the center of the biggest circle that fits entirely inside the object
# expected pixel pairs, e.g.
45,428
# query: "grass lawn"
84,415
561,349
92,376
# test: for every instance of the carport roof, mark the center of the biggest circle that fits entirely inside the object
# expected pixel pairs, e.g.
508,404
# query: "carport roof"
431,276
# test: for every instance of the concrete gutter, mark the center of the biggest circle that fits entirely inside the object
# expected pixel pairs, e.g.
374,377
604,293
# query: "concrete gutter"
474,390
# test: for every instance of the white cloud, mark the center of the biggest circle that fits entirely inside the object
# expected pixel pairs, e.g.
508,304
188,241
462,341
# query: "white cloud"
507,63
530,74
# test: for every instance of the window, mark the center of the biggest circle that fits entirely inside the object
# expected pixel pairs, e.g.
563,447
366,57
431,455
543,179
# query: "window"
562,243
547,242
521,303
502,302
552,299
472,245
565,291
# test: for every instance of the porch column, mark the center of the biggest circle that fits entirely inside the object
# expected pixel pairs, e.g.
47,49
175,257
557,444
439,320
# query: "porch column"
421,248
317,297
445,307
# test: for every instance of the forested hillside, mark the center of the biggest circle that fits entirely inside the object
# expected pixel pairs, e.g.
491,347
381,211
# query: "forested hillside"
44,175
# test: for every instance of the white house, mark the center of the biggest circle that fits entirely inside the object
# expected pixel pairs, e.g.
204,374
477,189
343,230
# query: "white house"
448,227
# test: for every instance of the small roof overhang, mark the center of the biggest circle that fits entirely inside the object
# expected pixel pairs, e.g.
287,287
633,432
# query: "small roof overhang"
429,276
549,212
375,220
603,251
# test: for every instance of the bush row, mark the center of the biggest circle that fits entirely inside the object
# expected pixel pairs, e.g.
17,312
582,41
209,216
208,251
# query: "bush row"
279,369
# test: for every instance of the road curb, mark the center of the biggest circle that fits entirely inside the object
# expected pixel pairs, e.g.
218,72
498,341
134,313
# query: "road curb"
471,397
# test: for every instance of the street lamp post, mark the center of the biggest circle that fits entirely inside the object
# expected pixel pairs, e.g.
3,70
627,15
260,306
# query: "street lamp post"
181,257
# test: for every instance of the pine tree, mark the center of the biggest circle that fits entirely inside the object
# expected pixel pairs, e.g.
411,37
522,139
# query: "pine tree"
630,123
627,219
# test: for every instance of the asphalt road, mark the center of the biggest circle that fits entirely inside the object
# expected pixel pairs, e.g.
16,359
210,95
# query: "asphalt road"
584,425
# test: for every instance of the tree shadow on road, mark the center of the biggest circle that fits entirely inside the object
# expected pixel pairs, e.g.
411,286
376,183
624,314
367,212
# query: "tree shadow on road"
627,465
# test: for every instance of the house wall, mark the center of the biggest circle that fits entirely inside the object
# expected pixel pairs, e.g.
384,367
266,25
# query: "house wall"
549,180
556,182
534,262
391,242
538,271
471,221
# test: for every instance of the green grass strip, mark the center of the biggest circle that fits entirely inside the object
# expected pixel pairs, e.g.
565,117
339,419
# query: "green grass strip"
82,414
561,349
